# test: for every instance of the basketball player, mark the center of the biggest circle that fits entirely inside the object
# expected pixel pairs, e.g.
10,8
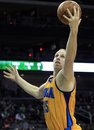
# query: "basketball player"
58,93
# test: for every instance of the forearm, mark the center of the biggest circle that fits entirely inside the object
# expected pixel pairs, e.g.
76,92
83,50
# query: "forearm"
71,47
27,87
71,50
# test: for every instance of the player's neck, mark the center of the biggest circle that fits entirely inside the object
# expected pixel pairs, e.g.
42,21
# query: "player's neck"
55,73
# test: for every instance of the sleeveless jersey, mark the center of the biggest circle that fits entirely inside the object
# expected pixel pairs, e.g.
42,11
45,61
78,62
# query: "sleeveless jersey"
59,107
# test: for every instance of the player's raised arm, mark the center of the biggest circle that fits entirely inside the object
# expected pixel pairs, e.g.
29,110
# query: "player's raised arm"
65,78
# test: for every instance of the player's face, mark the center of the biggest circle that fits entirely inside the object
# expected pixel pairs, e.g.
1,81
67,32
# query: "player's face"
59,58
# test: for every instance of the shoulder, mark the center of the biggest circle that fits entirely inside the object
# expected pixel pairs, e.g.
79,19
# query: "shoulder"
50,78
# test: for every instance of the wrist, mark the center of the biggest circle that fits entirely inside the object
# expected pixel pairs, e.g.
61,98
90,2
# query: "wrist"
75,30
17,78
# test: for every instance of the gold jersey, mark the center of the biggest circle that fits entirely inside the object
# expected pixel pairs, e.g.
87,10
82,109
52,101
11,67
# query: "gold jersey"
59,107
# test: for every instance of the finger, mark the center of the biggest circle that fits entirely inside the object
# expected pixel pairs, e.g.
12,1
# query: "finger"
15,67
78,12
80,21
70,15
6,73
67,18
12,68
75,12
6,76
9,69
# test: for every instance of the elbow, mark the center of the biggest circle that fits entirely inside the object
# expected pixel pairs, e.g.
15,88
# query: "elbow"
39,94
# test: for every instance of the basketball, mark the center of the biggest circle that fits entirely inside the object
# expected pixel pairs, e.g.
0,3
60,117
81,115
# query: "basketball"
62,10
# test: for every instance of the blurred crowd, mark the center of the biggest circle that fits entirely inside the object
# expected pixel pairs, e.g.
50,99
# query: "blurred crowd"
21,116
19,111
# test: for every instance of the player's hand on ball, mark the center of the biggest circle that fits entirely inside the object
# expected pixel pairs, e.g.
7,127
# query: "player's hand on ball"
73,19
62,10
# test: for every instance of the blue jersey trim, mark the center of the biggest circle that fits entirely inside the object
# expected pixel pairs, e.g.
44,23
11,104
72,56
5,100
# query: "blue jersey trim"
67,128
69,120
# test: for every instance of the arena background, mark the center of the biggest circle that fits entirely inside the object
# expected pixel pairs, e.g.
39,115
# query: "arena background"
31,31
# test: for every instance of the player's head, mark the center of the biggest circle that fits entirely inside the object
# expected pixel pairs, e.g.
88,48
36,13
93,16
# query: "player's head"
59,58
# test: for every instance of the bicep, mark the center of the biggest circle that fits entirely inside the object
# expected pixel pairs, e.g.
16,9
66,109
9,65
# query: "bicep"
63,83
68,71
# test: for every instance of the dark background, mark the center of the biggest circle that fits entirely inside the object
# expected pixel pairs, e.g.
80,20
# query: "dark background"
26,26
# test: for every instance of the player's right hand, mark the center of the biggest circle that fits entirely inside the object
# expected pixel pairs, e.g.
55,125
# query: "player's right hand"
74,20
11,73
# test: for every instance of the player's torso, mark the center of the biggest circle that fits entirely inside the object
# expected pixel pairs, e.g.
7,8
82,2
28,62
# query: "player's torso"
58,107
